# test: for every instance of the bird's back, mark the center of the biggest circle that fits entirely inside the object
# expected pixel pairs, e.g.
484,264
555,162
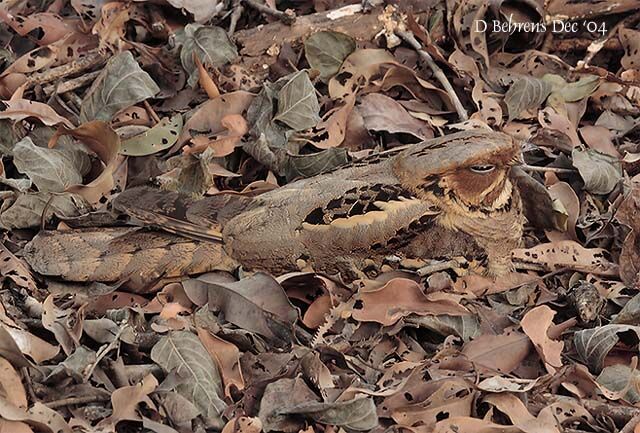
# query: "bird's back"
326,219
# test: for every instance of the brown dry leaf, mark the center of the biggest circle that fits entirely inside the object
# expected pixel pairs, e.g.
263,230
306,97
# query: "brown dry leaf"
132,116
563,192
243,424
506,384
536,324
18,108
406,78
568,254
16,270
551,119
482,286
599,138
51,27
334,124
630,254
111,27
472,425
224,145
11,387
101,139
593,345
630,40
398,298
257,303
317,373
564,410
520,416
317,311
489,109
14,426
227,358
207,118
36,348
12,390
511,406
202,10
173,316
39,416
15,341
381,113
116,300
501,353
423,402
280,395
317,291
358,69
204,79
57,321
125,402
32,61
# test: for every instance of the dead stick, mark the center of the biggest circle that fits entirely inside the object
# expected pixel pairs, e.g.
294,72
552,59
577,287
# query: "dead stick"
287,17
151,111
235,16
579,44
438,267
104,351
93,58
72,84
437,72
558,170
77,400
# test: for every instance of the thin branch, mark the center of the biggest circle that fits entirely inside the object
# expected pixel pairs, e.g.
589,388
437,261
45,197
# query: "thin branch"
557,170
104,351
235,16
288,17
72,84
151,111
437,267
91,59
76,400
437,72
26,379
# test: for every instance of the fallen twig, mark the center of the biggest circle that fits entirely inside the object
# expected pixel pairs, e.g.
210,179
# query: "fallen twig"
408,37
104,351
235,16
151,111
288,17
437,267
557,170
77,400
91,59
72,84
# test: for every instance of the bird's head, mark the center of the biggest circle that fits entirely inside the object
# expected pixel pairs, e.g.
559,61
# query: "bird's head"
469,169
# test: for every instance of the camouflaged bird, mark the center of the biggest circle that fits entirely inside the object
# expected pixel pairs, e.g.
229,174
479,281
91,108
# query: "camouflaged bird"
444,197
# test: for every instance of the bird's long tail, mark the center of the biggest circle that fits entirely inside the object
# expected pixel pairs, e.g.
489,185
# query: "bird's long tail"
139,259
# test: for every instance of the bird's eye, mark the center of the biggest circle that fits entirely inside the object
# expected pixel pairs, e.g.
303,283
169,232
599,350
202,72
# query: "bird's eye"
482,169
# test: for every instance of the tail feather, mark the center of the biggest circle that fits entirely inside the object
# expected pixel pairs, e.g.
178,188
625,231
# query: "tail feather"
141,258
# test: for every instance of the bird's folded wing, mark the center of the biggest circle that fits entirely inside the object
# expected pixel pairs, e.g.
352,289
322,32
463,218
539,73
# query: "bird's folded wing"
179,214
